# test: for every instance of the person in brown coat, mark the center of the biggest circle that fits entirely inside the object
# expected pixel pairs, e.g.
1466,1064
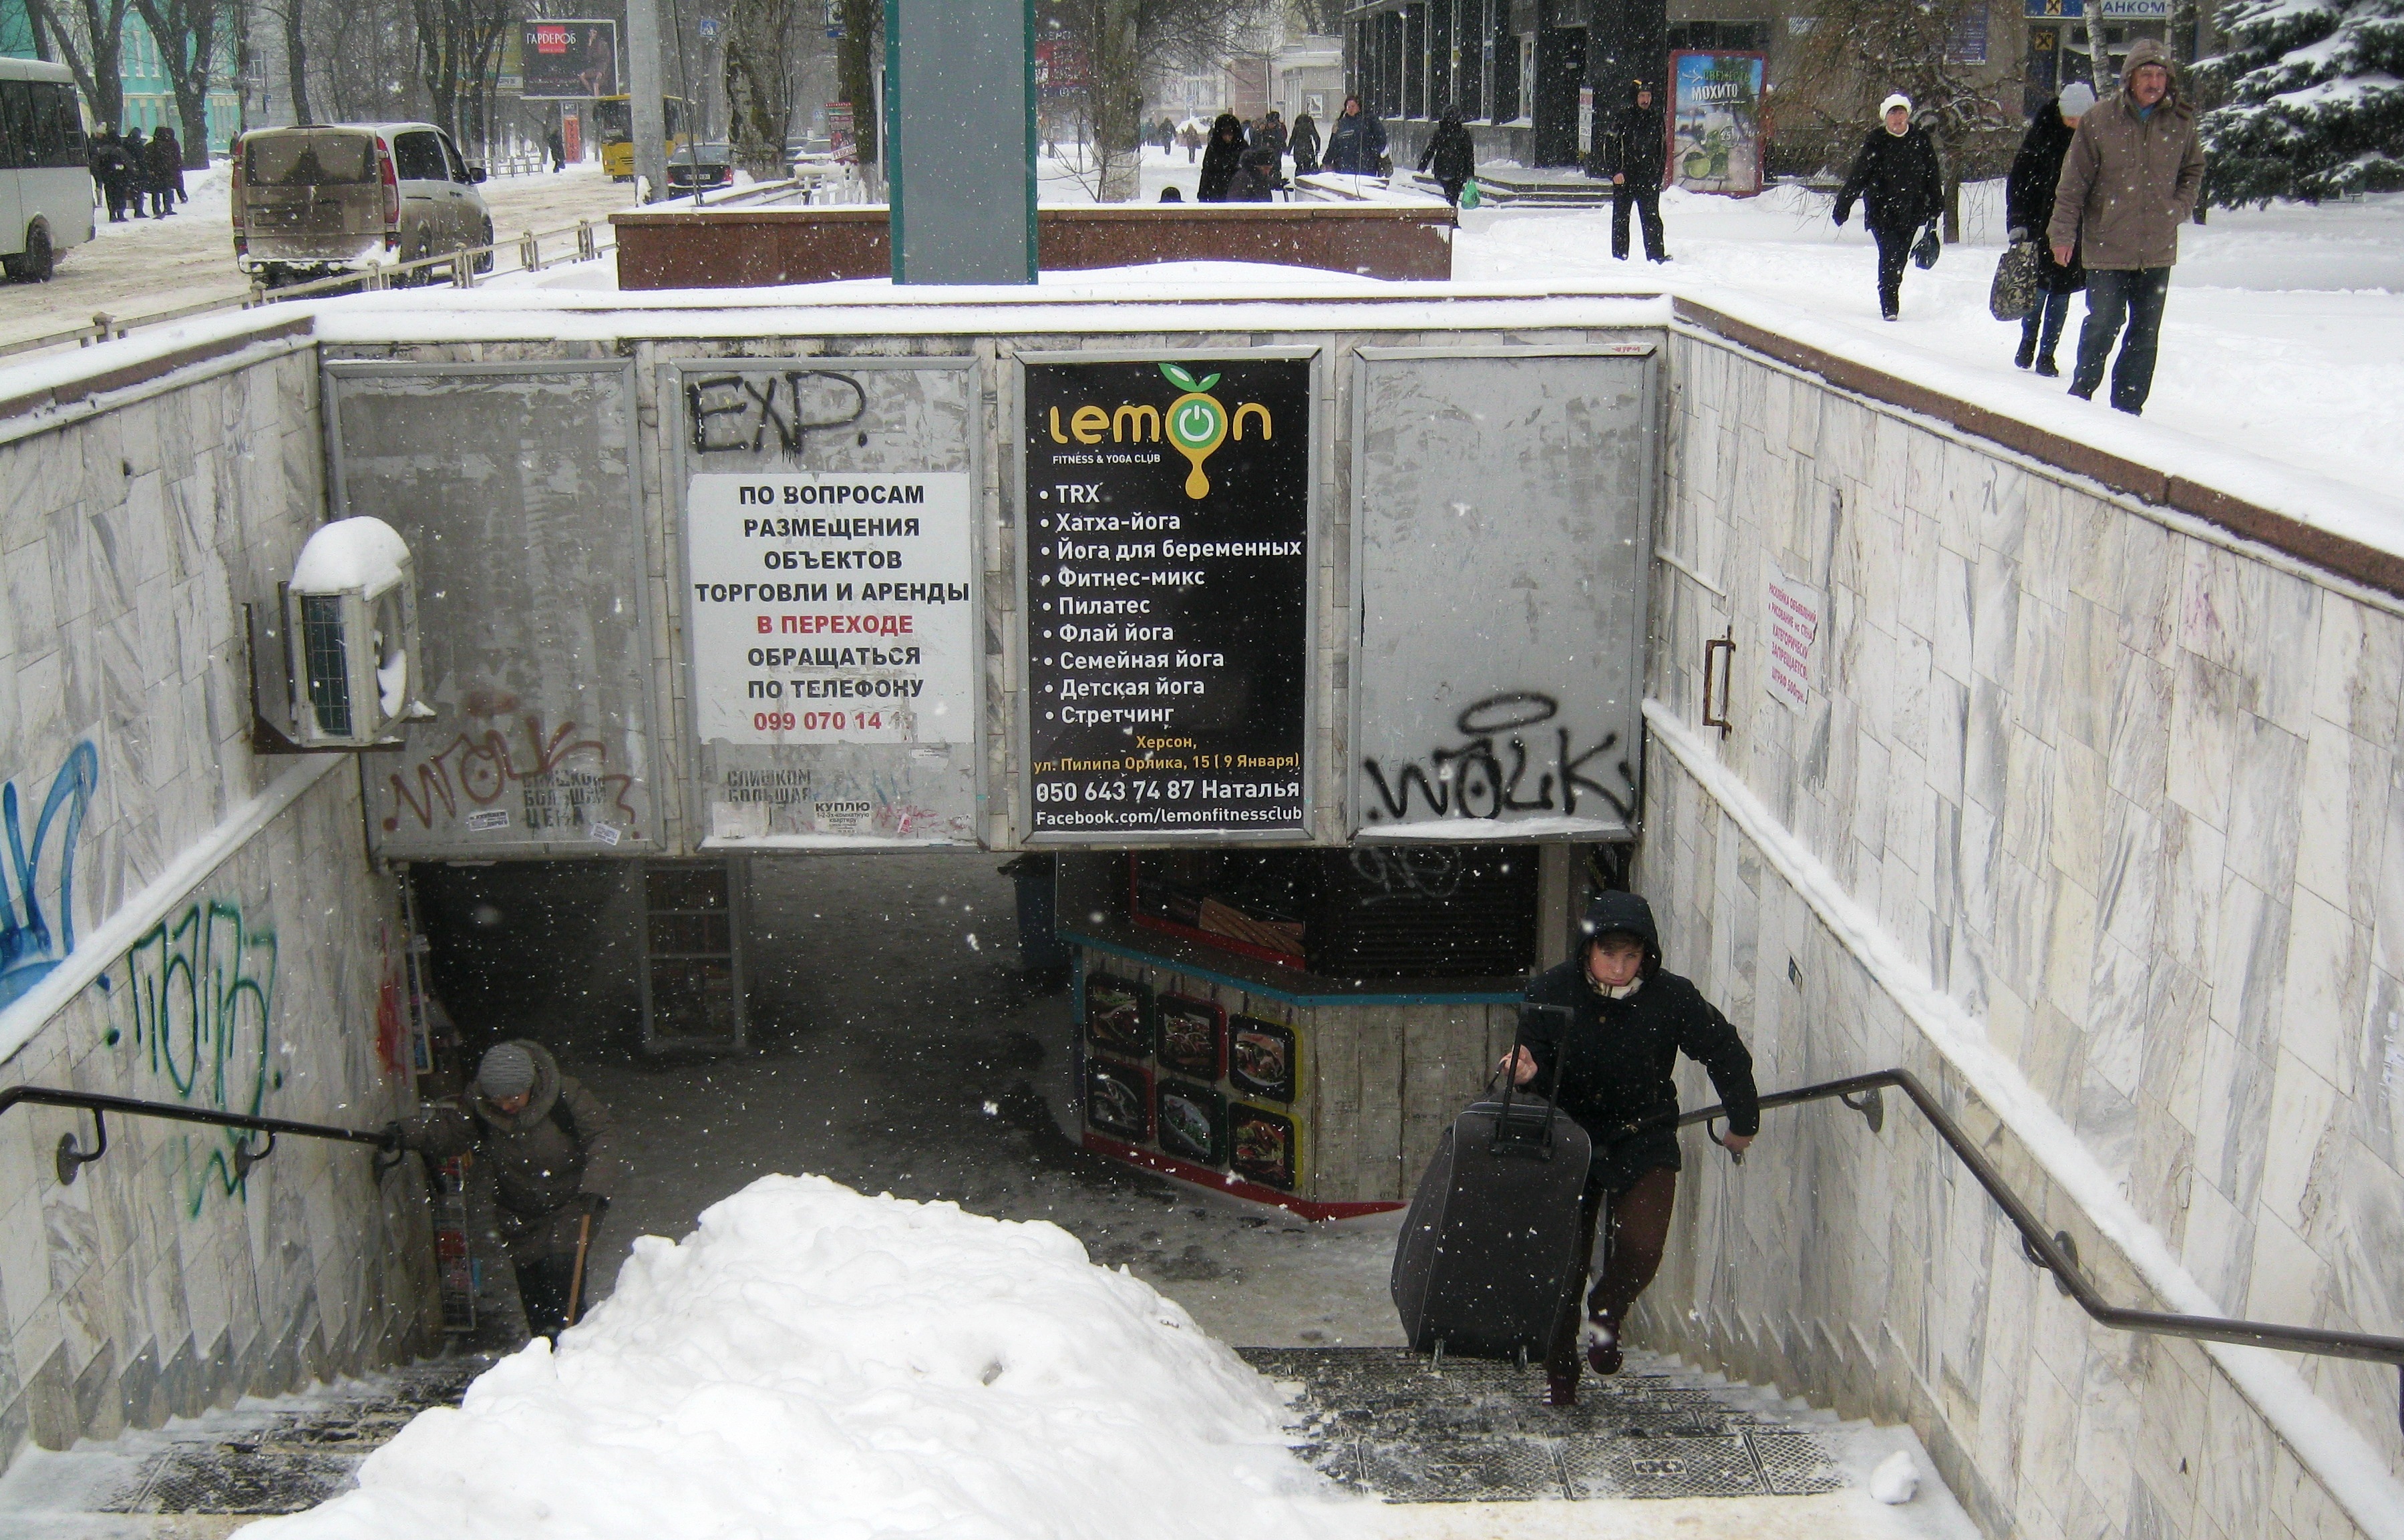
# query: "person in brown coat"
2126,184
547,1140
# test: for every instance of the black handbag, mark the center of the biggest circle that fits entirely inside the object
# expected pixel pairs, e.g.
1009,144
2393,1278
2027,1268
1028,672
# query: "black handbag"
1925,249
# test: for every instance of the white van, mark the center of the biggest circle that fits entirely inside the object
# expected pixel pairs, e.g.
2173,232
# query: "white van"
45,168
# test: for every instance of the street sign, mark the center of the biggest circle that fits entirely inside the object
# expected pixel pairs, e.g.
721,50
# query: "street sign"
707,27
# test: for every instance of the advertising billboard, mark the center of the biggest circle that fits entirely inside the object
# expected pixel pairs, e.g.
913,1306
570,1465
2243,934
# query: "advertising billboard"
1715,122
568,60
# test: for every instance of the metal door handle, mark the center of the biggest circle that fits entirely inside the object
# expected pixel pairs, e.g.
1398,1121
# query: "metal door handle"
1725,647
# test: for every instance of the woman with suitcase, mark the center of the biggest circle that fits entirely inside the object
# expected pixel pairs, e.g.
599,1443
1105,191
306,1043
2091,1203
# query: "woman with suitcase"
1627,1019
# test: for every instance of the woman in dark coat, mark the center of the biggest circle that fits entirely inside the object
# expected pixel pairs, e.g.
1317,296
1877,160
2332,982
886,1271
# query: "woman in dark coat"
1256,178
2028,207
1898,178
166,173
1221,158
1453,155
108,170
1304,144
137,172
1357,143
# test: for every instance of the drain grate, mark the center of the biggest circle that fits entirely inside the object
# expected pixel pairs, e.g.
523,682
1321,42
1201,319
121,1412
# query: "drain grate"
1385,1420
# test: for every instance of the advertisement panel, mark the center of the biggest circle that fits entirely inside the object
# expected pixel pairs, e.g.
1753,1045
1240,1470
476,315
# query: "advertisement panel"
1168,607
566,59
1715,122
830,600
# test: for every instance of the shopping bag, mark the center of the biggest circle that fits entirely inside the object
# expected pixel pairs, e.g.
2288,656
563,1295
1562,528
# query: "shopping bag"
1469,198
1924,250
2013,293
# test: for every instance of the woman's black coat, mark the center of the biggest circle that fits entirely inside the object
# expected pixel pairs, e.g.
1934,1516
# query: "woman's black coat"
1220,159
1897,176
2028,196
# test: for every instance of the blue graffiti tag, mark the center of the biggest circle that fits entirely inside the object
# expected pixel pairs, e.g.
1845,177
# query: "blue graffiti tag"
27,953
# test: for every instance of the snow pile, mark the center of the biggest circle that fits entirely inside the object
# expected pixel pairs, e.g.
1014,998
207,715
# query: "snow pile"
362,553
814,1362
1896,1480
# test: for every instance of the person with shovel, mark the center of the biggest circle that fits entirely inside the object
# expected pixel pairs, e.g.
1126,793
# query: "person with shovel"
547,1139
1626,1020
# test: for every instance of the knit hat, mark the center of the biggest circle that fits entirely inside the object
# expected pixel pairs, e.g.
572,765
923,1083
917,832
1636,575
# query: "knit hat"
508,1071
2076,98
1897,100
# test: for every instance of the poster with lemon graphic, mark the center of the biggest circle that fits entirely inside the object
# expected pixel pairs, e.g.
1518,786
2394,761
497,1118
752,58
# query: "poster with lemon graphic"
1168,643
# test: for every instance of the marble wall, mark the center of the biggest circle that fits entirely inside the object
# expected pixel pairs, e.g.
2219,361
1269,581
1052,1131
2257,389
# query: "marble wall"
157,1283
2129,797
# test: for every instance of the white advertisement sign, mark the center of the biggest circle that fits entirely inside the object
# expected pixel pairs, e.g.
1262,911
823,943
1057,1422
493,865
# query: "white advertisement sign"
831,609
1794,628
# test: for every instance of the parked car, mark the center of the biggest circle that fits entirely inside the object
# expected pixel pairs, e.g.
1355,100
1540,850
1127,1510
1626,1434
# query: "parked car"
702,167
341,197
45,168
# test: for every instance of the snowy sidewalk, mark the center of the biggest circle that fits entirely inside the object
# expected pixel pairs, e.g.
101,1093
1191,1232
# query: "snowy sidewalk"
2284,336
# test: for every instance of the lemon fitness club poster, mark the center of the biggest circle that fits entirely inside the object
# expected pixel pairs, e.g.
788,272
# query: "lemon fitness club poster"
1168,584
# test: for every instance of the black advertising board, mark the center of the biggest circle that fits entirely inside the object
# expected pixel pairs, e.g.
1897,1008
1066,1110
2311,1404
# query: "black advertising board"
1167,639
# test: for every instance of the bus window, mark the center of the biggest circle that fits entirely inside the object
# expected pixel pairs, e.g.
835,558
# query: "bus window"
17,124
61,125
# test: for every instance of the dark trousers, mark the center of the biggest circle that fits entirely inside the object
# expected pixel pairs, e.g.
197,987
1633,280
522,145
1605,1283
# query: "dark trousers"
1894,250
1631,1254
2041,329
545,1285
2133,296
1647,204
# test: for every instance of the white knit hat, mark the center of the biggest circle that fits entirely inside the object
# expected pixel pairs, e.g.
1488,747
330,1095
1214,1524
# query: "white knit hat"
1897,100
2076,98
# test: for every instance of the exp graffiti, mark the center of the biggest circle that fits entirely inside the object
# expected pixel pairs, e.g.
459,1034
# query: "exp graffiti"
482,768
738,411
29,946
199,991
1488,775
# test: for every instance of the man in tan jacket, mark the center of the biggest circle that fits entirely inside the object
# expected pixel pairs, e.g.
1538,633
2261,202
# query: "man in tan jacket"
2126,184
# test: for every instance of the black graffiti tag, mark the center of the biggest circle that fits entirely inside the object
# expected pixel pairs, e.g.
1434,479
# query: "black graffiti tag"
1472,779
738,411
1392,873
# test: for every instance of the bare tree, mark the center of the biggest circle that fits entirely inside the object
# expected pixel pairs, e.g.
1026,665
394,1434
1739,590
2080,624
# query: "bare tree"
186,32
759,47
458,42
1123,43
1859,50
856,54
92,43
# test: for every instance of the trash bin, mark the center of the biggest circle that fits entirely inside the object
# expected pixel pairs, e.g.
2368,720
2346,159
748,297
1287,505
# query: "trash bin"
1040,951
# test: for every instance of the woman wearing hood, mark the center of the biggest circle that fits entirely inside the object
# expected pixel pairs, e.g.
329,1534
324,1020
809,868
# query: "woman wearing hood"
1221,158
2028,208
1357,143
1610,1068
1453,155
1895,176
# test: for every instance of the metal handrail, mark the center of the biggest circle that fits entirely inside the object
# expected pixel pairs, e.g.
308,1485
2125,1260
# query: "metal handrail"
71,1158
2055,1253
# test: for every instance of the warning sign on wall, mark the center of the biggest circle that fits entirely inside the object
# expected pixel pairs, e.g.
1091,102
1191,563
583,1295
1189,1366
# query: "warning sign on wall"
1794,628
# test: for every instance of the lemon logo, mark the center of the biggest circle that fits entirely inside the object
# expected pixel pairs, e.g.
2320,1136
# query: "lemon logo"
1197,424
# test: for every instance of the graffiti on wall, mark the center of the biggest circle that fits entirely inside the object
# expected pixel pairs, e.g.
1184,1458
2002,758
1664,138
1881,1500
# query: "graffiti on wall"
481,769
193,1010
1492,775
37,878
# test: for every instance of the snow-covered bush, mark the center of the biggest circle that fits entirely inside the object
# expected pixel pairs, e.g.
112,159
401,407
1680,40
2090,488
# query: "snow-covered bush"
2313,101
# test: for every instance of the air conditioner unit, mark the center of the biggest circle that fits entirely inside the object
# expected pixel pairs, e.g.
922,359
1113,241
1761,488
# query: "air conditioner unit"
350,636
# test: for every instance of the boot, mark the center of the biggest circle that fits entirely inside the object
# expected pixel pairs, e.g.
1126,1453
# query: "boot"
1602,1345
2046,367
2027,352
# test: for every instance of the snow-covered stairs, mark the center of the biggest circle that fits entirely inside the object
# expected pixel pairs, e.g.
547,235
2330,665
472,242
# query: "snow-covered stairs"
1388,1421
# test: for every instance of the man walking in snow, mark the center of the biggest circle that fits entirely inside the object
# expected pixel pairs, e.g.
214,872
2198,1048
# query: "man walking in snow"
1635,151
2128,183
1897,179
547,1140
1629,1021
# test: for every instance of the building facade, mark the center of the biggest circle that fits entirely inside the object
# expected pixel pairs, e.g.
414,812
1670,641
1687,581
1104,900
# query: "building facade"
142,76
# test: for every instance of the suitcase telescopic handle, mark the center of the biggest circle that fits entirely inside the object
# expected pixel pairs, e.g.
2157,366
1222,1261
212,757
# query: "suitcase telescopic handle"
1511,1076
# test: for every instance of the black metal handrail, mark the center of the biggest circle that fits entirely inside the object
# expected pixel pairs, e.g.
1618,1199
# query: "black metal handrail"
72,1157
2056,1253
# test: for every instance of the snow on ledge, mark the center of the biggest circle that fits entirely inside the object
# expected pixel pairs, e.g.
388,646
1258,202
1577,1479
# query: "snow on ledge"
2329,1446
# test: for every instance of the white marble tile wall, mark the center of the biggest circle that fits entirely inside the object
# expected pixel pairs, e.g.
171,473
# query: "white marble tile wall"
2133,800
154,1284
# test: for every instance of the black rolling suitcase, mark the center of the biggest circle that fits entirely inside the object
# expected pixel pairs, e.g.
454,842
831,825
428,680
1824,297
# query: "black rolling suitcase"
1483,1263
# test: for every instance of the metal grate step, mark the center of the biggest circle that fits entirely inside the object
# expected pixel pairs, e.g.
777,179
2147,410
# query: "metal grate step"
1385,1420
